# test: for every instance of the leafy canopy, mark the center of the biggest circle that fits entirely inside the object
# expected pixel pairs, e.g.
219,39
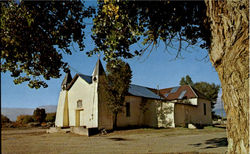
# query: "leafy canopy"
117,83
31,32
39,115
120,24
210,90
186,81
4,119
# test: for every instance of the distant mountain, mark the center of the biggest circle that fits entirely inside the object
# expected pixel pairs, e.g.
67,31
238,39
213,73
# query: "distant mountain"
219,110
12,113
49,108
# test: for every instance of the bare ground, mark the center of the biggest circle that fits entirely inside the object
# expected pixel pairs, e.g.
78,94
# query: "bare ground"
178,140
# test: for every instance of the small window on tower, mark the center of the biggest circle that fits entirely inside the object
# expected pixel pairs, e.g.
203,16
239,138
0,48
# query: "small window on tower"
79,104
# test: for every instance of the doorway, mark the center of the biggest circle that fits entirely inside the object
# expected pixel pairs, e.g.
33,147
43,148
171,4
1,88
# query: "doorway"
77,118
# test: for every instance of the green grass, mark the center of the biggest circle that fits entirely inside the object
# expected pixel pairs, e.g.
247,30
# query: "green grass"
169,131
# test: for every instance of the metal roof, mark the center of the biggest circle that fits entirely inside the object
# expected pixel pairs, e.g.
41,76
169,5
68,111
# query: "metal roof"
174,89
141,91
87,78
180,92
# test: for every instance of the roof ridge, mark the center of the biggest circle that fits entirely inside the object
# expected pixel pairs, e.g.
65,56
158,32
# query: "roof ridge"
193,90
143,86
84,74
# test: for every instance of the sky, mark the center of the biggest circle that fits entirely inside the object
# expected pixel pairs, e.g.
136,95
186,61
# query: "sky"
157,68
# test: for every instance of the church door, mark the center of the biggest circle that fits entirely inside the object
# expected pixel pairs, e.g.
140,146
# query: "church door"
77,118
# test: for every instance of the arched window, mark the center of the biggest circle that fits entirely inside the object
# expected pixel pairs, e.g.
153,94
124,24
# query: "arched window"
79,103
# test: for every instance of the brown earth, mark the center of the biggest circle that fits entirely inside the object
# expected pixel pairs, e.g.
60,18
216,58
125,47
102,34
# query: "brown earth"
178,140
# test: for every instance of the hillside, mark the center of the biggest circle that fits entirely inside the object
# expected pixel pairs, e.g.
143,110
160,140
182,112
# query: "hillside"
12,113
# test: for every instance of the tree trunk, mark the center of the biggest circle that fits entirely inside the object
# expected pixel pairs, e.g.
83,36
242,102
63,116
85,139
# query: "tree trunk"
229,53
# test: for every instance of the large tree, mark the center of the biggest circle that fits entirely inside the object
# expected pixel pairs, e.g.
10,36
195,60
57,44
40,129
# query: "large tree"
116,86
186,81
34,35
229,53
222,26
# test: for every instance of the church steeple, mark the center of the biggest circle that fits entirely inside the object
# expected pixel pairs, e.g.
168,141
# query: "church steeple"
99,70
67,79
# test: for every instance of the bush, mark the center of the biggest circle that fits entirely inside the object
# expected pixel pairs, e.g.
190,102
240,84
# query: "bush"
50,117
4,119
39,115
24,119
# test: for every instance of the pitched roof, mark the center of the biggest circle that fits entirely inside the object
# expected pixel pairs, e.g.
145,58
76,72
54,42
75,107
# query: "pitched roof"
86,78
67,79
134,90
141,91
99,70
181,92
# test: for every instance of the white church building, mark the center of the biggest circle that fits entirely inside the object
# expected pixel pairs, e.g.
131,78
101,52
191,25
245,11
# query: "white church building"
81,105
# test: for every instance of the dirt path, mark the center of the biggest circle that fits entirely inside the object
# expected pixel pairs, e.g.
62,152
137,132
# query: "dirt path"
130,141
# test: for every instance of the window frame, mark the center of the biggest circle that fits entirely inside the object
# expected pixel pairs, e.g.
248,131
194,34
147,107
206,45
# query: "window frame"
128,113
77,104
204,108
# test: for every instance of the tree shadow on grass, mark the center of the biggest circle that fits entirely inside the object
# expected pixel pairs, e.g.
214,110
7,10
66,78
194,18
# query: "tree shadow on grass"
118,139
216,142
213,143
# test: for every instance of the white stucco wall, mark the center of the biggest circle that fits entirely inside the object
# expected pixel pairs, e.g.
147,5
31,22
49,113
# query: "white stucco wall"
168,119
81,90
60,109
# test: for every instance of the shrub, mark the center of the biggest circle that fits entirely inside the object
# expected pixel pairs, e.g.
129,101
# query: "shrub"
4,119
24,119
50,117
39,115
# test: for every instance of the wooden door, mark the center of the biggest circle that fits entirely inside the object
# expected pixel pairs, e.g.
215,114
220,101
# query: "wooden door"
77,118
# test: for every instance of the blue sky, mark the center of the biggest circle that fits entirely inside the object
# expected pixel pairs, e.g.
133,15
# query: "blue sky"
159,68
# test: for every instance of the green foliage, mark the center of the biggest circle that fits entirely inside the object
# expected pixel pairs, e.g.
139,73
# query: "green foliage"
186,81
50,117
162,112
120,24
4,119
210,90
39,115
24,119
31,32
116,85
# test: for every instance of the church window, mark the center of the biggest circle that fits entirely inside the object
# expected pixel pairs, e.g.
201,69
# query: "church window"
79,103
205,109
127,109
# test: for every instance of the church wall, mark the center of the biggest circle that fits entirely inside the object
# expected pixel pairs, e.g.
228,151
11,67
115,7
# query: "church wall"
185,114
150,115
87,93
105,117
136,114
165,115
60,109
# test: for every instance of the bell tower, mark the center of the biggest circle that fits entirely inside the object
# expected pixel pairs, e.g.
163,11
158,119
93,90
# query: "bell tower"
98,71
